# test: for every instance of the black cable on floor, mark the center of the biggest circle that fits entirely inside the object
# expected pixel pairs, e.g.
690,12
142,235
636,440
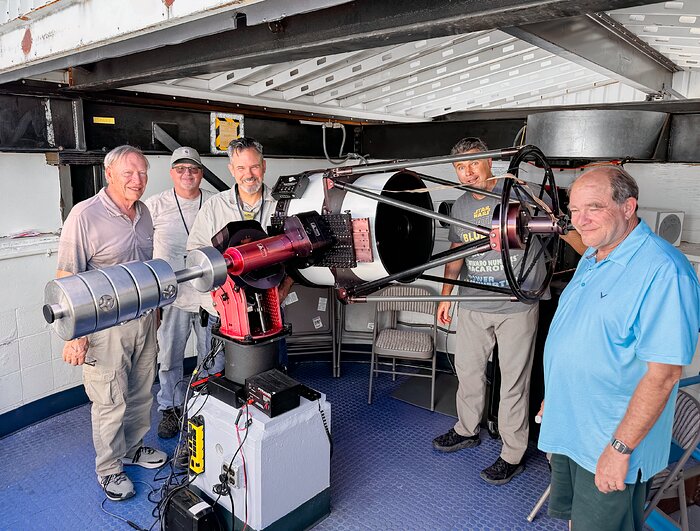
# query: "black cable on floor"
130,522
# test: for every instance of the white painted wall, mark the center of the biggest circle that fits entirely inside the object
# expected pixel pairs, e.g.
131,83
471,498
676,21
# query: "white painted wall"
29,194
30,367
673,186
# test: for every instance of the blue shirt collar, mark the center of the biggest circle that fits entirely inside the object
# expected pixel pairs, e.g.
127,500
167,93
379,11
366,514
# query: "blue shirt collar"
624,252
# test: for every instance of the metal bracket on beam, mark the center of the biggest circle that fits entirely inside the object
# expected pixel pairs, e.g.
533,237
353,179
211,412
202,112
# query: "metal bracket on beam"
172,144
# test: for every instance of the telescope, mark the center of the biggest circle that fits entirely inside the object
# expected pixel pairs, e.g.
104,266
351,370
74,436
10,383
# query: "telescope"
357,229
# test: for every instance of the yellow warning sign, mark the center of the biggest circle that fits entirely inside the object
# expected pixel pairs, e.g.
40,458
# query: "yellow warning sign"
108,120
224,128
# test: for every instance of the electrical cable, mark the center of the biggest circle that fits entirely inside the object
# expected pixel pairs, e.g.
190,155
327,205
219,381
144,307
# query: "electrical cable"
245,470
521,134
176,481
343,158
131,523
447,339
325,427
223,488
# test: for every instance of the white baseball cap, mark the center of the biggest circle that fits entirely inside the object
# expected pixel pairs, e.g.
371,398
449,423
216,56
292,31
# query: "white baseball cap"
185,153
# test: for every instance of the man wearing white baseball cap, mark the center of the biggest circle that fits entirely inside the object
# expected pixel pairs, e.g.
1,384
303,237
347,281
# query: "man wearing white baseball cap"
173,212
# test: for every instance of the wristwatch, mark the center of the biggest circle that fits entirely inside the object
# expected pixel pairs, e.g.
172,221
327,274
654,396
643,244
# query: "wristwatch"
619,446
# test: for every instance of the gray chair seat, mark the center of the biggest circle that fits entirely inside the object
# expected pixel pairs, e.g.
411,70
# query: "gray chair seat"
408,344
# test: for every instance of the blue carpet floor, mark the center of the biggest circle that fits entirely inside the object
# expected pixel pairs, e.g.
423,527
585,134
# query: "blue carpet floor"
385,474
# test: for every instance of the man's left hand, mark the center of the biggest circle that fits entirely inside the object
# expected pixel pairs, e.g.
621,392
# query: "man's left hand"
611,470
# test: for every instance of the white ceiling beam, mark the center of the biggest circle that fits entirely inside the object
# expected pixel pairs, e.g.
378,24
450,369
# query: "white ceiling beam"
513,71
475,67
662,22
297,73
226,79
198,89
359,69
450,61
685,7
587,84
657,41
350,94
532,85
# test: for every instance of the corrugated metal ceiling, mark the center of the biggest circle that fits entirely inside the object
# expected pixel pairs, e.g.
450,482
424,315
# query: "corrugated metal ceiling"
421,80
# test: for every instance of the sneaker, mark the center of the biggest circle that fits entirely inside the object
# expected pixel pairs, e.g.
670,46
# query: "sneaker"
169,424
501,472
146,457
117,487
453,441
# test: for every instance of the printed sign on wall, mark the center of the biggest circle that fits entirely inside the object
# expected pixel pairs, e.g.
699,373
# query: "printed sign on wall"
224,128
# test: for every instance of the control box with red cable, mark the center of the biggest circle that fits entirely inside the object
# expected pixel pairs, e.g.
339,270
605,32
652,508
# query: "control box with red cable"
272,392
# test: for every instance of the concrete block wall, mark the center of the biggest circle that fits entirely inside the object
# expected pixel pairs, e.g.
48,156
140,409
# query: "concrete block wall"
31,366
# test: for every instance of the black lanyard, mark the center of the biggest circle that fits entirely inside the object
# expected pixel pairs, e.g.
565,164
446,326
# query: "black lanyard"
201,195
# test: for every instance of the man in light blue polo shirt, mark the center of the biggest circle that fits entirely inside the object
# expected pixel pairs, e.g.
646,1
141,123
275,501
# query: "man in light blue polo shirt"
626,324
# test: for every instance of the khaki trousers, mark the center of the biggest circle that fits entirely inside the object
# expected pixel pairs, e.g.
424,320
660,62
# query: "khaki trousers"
119,387
477,333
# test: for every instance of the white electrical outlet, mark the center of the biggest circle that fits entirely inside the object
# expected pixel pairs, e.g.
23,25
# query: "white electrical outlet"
232,474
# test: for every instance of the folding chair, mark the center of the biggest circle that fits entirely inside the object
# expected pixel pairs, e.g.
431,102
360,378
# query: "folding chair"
670,482
400,343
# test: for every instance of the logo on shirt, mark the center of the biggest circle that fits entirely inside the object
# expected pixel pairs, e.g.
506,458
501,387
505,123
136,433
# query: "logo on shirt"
483,211
603,295
472,237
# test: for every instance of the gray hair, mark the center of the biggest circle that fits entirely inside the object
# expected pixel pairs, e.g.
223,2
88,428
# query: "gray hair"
468,144
121,152
239,144
622,184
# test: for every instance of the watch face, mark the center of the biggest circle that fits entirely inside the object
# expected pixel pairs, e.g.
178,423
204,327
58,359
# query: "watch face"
621,447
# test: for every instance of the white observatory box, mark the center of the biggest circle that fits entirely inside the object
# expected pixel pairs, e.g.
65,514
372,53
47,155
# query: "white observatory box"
665,222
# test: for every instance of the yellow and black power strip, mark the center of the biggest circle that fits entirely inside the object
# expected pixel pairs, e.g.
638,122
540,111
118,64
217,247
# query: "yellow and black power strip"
195,443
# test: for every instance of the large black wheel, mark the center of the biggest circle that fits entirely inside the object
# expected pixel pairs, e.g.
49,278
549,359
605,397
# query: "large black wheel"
529,258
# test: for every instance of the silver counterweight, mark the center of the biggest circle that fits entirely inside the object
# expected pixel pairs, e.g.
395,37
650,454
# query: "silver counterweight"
98,299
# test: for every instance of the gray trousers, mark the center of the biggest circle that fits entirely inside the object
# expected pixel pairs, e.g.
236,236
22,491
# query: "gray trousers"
119,387
477,333
174,331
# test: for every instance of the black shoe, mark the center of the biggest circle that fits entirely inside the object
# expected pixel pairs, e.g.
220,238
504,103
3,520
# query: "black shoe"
169,425
453,441
181,459
501,472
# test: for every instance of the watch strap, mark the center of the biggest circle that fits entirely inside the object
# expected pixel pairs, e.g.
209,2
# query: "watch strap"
619,446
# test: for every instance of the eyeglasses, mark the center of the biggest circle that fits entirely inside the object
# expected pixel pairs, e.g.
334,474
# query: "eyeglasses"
193,170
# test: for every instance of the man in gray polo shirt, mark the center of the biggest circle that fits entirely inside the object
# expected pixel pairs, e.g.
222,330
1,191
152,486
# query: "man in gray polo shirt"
173,212
118,363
